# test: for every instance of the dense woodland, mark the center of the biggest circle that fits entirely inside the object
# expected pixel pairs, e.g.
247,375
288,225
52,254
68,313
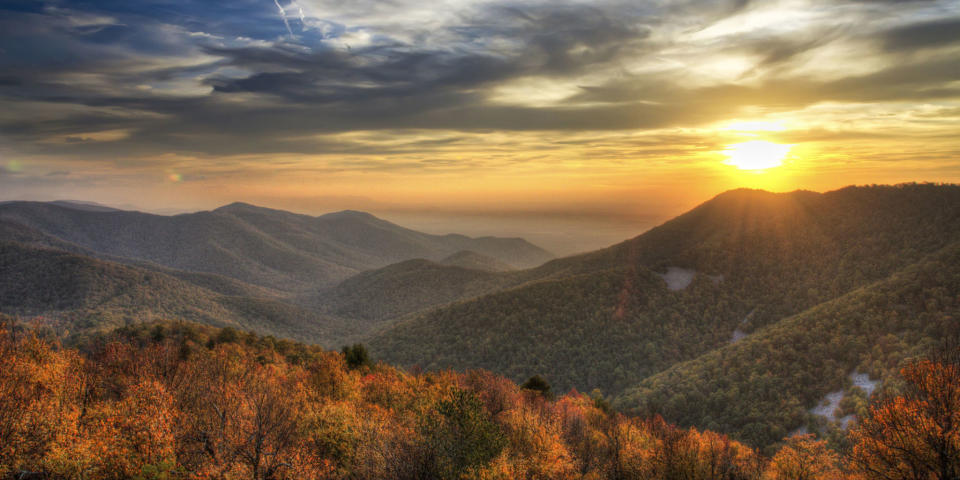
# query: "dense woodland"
79,292
569,330
178,400
760,388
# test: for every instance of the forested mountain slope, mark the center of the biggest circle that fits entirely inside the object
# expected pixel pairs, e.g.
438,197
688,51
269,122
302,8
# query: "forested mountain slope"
787,252
262,246
475,261
77,292
376,297
580,332
26,236
764,386
360,304
610,319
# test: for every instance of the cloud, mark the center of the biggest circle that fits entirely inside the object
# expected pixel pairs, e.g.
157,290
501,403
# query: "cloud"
228,81
929,34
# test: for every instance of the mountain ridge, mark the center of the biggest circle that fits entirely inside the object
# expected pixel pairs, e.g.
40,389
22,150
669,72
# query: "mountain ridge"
268,247
79,292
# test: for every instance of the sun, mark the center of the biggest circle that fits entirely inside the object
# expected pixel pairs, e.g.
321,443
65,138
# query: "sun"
756,155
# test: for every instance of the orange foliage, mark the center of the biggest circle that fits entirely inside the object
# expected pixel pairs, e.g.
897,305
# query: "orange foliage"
40,401
182,407
118,438
804,458
915,436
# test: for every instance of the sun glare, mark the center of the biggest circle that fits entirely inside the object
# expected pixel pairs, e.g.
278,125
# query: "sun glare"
756,155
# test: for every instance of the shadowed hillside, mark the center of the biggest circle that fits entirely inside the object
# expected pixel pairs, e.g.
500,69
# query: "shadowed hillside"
76,292
764,386
475,261
379,296
257,245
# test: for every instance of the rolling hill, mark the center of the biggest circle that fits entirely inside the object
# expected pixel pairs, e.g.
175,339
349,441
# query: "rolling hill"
78,292
376,297
261,246
475,261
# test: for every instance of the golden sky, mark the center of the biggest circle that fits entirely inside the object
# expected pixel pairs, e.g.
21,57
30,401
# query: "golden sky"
605,111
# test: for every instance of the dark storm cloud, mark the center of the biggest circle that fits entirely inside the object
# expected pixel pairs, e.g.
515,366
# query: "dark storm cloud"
228,78
335,76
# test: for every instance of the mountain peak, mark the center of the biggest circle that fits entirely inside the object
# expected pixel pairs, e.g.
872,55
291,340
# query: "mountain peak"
238,206
753,193
242,208
345,214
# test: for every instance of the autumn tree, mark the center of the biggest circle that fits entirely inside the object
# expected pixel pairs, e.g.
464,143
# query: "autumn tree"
916,435
270,437
497,393
243,419
692,455
40,389
125,438
803,458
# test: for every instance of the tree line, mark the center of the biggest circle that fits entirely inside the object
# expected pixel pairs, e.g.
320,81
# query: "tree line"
170,401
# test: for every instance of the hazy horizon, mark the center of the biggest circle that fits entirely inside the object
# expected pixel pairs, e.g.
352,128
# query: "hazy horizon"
561,233
498,109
